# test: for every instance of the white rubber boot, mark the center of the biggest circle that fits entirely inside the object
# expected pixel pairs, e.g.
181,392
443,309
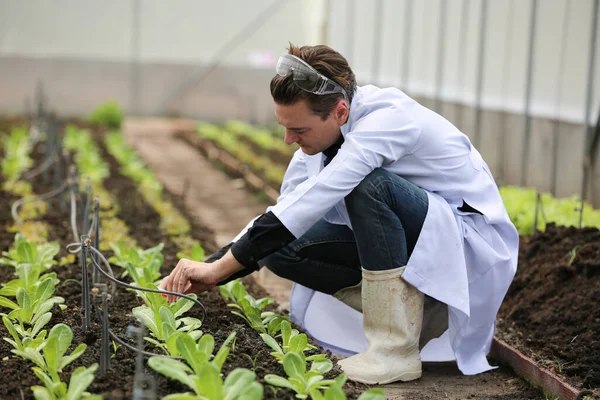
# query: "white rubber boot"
351,296
392,318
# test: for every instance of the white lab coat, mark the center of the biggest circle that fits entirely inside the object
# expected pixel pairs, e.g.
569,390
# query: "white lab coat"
464,260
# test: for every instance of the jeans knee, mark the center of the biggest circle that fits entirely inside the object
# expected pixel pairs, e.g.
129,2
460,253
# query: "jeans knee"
367,189
277,263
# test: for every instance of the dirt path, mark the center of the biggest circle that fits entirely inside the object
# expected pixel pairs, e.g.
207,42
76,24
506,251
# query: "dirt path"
225,206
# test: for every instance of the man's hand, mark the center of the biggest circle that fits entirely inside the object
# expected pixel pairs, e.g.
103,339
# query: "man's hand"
190,277
196,277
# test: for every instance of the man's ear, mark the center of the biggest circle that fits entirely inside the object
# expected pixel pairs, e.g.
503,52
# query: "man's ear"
341,112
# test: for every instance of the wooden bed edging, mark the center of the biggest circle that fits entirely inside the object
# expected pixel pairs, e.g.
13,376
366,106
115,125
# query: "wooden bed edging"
540,377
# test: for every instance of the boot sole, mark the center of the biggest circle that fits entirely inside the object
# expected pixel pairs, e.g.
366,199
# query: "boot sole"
406,377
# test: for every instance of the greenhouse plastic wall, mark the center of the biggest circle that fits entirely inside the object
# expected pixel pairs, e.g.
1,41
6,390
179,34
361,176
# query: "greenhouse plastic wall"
517,76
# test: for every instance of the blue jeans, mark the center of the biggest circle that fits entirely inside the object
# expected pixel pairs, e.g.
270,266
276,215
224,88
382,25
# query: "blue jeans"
387,214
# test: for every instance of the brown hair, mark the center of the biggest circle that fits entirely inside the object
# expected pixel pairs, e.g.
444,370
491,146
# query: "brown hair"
327,62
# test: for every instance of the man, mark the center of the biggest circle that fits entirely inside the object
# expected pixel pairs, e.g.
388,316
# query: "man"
387,207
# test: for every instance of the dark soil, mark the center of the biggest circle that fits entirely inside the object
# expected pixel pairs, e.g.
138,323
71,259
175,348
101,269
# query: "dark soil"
16,376
552,310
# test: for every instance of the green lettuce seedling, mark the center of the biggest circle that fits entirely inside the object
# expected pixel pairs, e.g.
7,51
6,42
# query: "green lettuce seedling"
35,340
54,359
81,379
202,375
250,309
292,341
30,261
300,380
142,265
164,324
32,307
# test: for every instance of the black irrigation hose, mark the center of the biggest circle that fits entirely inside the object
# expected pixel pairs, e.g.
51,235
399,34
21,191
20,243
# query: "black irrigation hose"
118,282
20,202
41,168
121,283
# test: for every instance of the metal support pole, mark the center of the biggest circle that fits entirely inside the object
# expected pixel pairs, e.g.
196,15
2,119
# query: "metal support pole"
528,86
443,16
143,386
556,123
96,277
377,39
86,210
101,290
587,163
480,71
462,40
350,13
408,14
134,78
85,292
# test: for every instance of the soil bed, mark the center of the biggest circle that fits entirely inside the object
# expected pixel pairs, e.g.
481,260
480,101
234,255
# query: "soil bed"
16,375
552,310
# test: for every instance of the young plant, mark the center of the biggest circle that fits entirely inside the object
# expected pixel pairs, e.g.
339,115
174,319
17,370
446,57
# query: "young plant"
336,392
292,341
300,380
163,320
202,375
32,307
30,261
250,309
142,265
81,378
54,359
196,254
35,340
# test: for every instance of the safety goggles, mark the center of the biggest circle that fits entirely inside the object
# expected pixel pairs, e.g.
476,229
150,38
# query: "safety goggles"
306,77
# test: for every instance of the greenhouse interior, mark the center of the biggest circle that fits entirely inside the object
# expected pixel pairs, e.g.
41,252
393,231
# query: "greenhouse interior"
300,199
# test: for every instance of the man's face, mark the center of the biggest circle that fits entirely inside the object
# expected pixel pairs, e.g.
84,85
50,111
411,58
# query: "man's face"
312,134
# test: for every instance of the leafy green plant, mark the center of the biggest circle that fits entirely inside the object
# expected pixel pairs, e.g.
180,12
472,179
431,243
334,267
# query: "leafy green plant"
336,392
300,380
292,342
250,309
142,265
203,375
196,254
520,205
81,379
164,319
32,307
108,114
16,154
30,261
35,339
54,357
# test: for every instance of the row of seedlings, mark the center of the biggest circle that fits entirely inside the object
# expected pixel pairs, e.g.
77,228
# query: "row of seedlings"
263,166
173,223
33,293
289,347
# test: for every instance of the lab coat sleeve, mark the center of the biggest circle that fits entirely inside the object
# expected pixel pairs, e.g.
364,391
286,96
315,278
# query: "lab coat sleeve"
295,174
381,137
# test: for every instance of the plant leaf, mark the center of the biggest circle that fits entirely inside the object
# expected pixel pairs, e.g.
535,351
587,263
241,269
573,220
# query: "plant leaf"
187,348
277,380
173,369
75,354
209,382
81,378
236,382
146,316
294,366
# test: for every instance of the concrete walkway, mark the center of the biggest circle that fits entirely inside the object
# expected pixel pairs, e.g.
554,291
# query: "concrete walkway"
225,206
